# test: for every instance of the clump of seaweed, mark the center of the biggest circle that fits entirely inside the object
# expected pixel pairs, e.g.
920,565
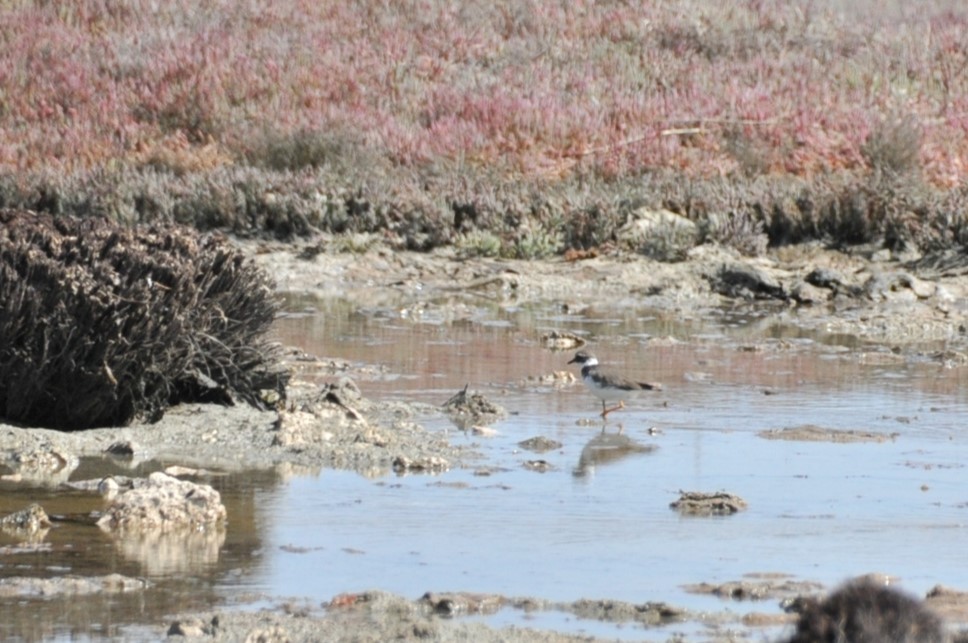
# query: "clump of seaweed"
104,324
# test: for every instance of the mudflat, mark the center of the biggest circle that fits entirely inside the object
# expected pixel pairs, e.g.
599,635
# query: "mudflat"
905,303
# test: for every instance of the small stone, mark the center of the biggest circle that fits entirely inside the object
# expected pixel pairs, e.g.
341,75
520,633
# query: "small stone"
541,466
429,464
562,340
456,603
467,410
270,397
923,289
806,293
43,466
483,431
193,628
708,504
539,444
122,449
748,281
30,520
645,223
164,503
108,488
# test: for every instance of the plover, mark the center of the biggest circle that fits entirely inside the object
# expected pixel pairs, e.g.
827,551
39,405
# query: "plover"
607,387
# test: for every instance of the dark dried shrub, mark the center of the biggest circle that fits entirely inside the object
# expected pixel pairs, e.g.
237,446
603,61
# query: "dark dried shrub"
863,612
850,217
668,245
753,157
312,148
694,38
840,210
587,228
103,324
894,147
740,230
924,218
790,214
728,211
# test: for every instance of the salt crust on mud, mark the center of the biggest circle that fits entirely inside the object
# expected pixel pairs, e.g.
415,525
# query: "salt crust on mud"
163,503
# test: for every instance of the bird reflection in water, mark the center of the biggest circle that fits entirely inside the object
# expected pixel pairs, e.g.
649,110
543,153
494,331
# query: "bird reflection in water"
607,448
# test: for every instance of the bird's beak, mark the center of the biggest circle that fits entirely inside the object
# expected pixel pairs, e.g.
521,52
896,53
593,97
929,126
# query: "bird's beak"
573,360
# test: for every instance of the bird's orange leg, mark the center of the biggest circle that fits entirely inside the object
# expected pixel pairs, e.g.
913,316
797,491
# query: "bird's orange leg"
621,405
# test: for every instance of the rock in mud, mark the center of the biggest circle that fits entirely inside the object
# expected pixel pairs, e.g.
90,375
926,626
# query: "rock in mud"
556,379
383,439
949,603
697,503
562,341
121,449
326,418
430,464
539,466
466,410
833,281
26,523
23,587
459,603
619,611
646,225
344,394
747,281
296,429
194,628
539,444
805,293
274,634
164,503
898,285
45,466
749,590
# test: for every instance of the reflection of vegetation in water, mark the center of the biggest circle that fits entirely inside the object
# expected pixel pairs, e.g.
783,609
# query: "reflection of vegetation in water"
183,573
493,343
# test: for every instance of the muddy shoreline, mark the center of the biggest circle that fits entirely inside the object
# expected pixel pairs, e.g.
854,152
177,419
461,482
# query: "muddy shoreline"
902,304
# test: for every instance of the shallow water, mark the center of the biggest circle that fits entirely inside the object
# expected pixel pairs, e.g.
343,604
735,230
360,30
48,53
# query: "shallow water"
598,523
817,511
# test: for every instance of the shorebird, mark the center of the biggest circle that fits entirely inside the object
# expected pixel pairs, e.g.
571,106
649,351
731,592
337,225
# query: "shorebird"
607,387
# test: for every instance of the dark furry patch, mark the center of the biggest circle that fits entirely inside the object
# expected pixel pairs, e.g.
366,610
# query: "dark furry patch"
103,324
864,612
